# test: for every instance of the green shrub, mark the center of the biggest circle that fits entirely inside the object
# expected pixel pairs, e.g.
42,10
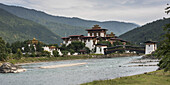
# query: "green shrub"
56,53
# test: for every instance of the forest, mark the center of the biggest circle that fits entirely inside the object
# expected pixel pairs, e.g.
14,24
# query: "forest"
13,28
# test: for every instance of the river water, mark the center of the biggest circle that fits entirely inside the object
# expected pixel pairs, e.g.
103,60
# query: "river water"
95,69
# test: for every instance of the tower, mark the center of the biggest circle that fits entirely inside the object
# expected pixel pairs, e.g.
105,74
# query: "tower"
97,31
150,46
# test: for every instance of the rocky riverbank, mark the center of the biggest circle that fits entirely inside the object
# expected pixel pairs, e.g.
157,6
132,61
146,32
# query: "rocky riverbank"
10,68
149,56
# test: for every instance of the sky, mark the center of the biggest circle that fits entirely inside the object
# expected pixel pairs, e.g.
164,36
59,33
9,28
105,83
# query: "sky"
135,11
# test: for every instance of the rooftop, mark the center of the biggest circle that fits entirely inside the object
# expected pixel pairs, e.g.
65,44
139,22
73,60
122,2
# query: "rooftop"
65,37
101,44
96,28
150,42
75,35
89,37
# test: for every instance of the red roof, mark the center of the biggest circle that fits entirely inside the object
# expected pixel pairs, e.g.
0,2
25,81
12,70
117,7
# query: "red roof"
52,47
65,37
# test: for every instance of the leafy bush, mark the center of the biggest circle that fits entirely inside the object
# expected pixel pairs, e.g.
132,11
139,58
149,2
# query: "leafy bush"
46,53
3,50
56,53
19,54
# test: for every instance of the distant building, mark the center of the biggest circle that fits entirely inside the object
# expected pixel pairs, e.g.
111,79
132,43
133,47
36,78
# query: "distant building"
49,49
59,51
93,37
100,48
34,41
150,46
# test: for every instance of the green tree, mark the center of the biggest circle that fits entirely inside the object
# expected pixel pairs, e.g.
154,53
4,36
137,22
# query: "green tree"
33,54
63,47
164,49
26,48
64,52
19,54
3,50
117,43
15,46
76,46
71,51
167,9
8,45
46,53
87,50
32,48
56,53
39,47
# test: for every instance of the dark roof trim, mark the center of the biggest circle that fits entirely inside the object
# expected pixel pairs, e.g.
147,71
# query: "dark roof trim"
150,42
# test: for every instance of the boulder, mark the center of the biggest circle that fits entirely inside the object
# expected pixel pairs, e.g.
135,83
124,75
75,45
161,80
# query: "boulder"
10,68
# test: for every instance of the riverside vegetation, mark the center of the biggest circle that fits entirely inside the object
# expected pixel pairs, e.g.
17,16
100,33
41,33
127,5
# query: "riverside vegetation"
15,53
27,51
45,59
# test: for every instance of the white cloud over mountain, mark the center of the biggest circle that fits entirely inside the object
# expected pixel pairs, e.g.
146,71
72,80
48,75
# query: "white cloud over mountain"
137,11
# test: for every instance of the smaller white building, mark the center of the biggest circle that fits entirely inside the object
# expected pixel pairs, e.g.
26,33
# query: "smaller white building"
59,51
100,48
150,46
49,49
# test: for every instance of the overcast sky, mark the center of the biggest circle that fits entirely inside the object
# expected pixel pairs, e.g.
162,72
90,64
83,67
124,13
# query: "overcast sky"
136,11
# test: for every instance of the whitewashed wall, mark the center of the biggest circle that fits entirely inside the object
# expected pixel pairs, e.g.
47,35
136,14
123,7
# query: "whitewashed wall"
150,48
89,44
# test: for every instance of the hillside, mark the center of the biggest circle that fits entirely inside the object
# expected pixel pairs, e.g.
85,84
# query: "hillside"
151,31
65,25
13,28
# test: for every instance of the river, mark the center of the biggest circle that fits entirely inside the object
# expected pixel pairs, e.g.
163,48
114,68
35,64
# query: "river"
94,69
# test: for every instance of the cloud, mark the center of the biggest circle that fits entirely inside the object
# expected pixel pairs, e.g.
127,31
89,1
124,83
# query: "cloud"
137,11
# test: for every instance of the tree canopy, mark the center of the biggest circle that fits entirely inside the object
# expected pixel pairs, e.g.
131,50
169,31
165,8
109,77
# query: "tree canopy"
3,50
164,50
76,46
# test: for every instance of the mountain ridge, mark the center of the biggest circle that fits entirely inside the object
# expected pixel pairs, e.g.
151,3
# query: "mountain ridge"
150,31
73,23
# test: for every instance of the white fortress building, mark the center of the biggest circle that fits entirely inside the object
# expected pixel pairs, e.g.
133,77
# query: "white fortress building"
150,47
93,37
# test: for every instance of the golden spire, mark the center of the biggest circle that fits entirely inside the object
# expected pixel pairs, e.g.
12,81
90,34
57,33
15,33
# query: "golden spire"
34,38
96,27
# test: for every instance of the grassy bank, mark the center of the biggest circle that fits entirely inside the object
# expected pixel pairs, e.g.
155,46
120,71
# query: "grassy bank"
152,78
71,57
45,59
